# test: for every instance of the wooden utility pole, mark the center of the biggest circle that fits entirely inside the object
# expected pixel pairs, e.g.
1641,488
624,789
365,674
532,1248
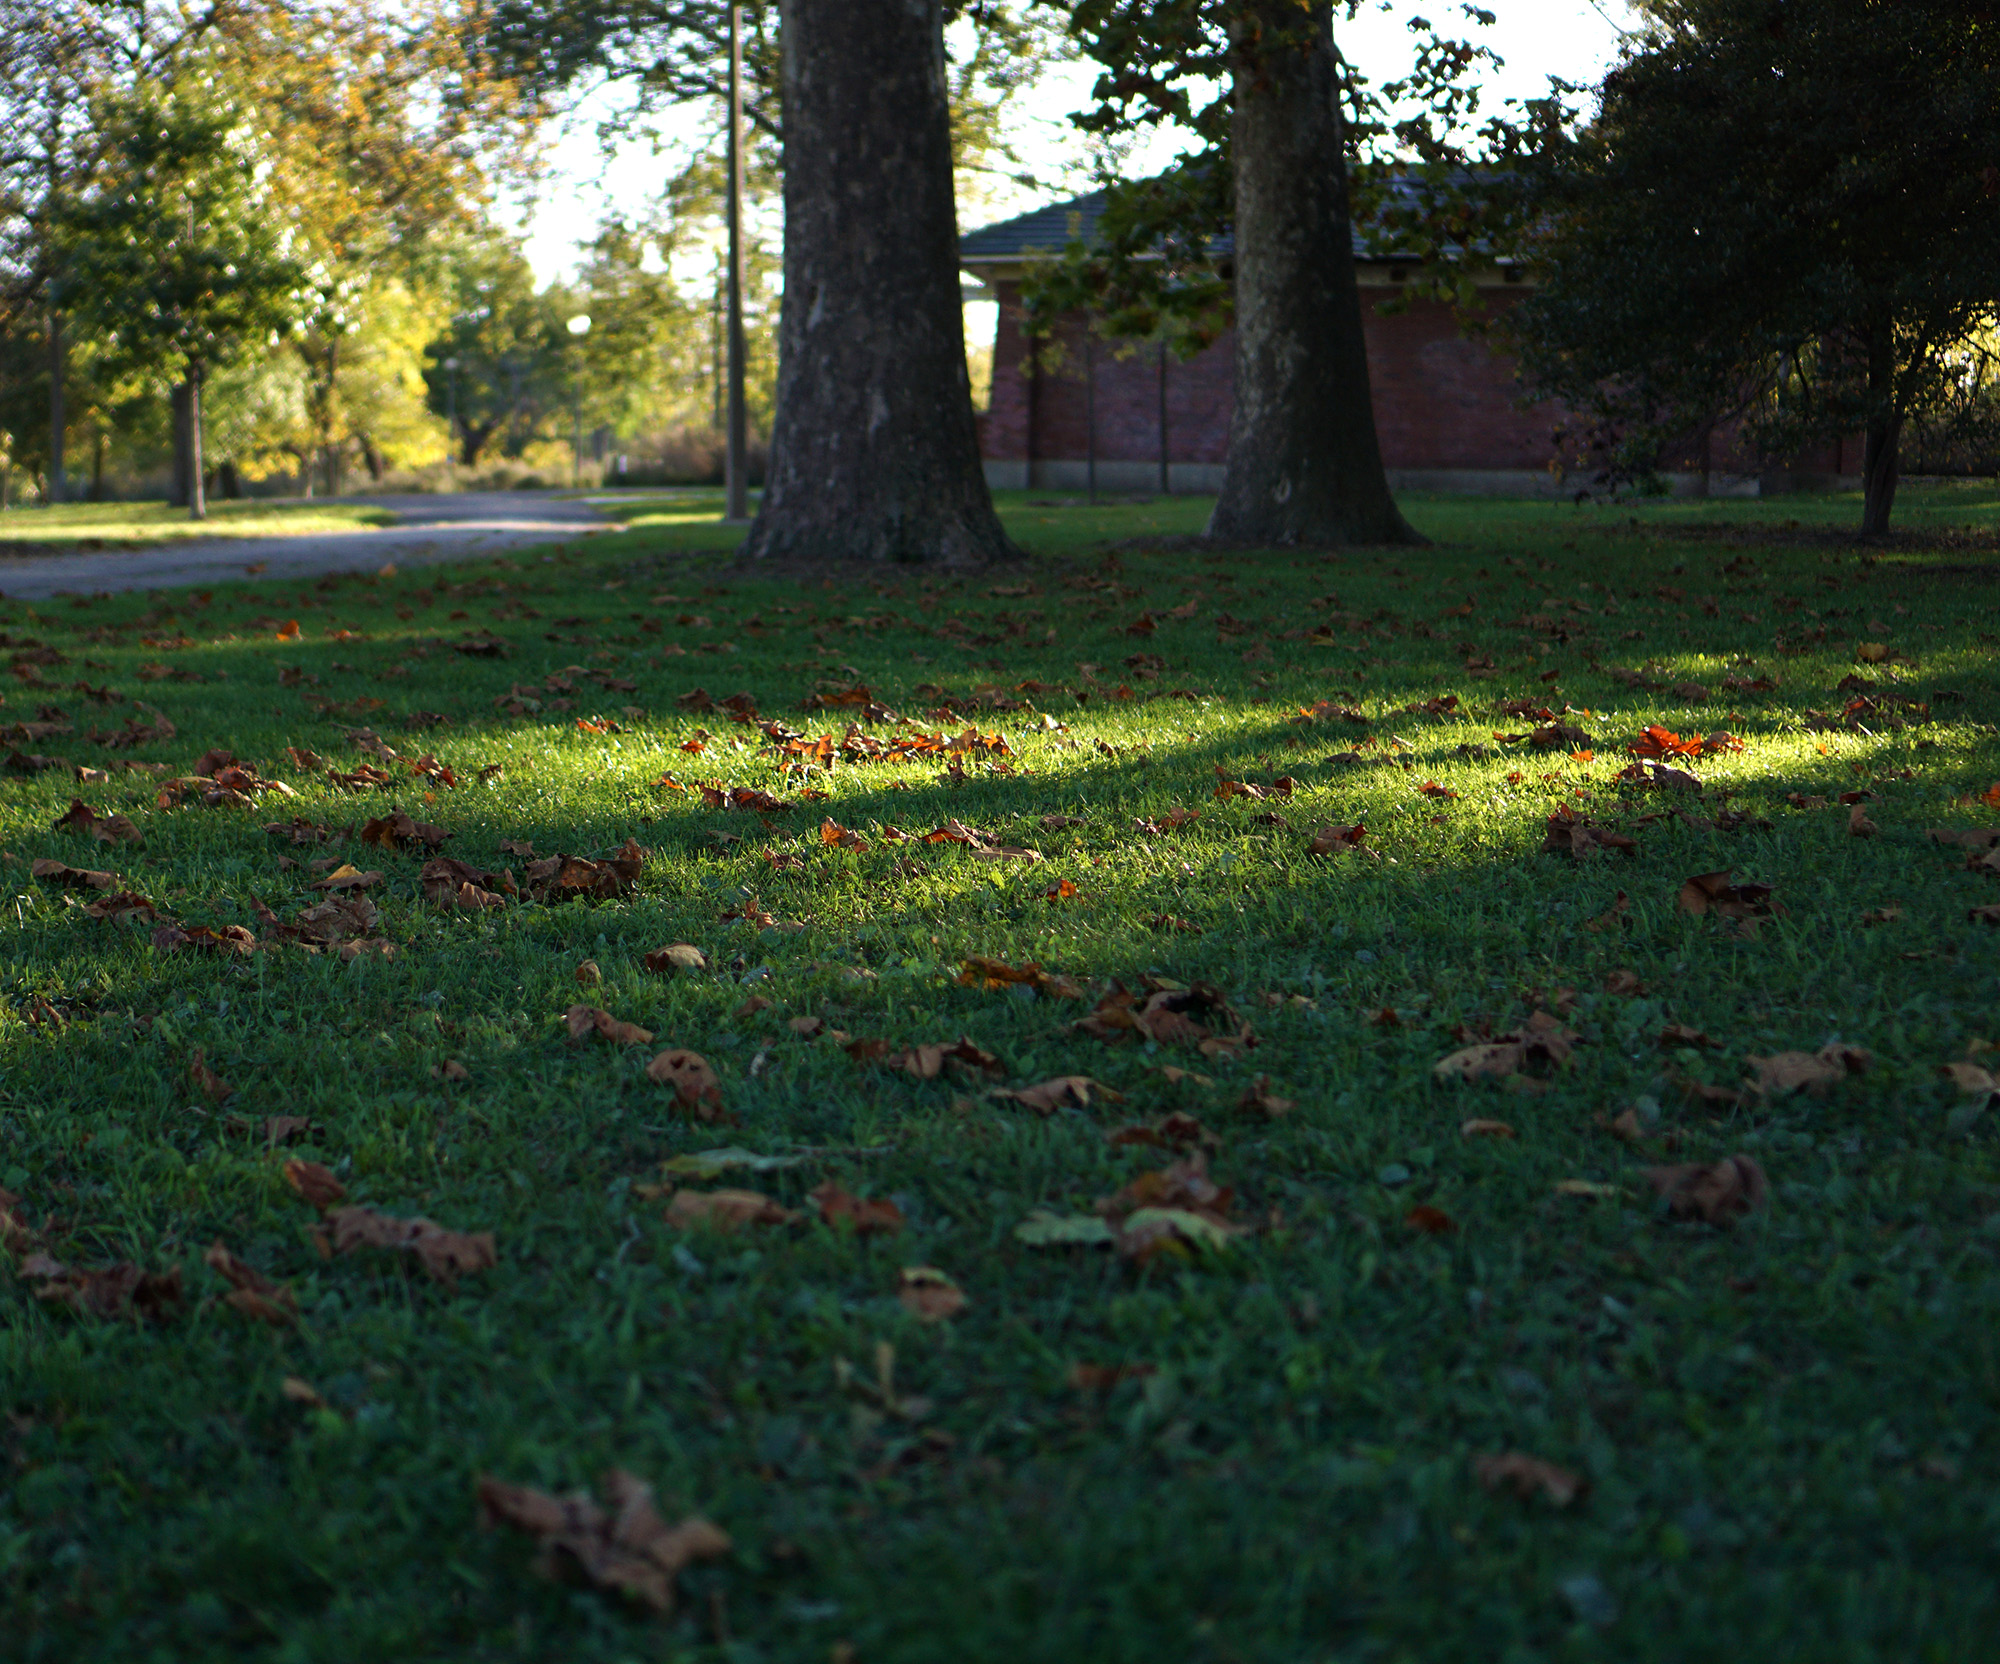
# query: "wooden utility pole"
736,476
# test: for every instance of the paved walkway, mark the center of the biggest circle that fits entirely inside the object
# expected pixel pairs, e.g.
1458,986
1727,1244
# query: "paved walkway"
429,529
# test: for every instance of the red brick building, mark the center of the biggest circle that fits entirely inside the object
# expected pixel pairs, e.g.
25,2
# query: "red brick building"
1447,408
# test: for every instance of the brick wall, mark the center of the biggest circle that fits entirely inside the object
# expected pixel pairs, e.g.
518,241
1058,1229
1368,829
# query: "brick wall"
1441,400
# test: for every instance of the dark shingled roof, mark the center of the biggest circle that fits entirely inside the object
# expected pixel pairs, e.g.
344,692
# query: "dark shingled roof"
1049,230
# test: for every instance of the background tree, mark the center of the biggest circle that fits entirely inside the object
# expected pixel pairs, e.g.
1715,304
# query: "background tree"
874,454
1291,150
181,262
59,59
1786,216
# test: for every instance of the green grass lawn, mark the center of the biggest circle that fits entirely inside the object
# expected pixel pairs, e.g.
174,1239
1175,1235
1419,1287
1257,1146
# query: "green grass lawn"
1252,1429
66,526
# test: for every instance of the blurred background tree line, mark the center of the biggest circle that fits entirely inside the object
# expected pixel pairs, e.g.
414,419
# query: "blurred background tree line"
263,246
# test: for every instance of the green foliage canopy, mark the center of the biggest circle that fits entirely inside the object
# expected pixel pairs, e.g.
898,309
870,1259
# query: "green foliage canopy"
1785,216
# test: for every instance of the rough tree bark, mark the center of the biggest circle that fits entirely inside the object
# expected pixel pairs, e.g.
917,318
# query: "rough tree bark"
1304,463
874,454
1883,434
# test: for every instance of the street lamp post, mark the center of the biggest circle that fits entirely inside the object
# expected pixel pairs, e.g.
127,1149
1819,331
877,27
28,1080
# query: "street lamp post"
451,406
578,327
737,494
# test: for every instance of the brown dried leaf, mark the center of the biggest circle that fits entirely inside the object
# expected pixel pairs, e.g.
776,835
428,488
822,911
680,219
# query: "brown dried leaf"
587,1019
255,1295
1717,1193
105,1291
1063,1092
316,1184
929,1293
1813,1072
630,1548
868,1216
445,1255
927,1062
695,1084
674,957
1528,1477
724,1210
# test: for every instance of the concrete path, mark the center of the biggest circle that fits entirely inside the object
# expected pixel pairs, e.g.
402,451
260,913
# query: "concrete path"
429,529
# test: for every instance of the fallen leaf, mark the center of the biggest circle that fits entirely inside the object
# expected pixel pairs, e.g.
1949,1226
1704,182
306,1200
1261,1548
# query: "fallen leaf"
1681,1034
345,877
674,957
316,1184
1480,1128
587,1019
211,1085
1711,893
1333,840
1813,1072
695,1084
1063,1092
1717,1193
105,1291
724,1210
1569,833
1178,1131
1528,1477
1541,1041
397,830
252,1293
280,1129
1859,825
1429,1220
927,1062
445,1255
106,829
624,1545
929,1293
867,1216
1259,1099
981,972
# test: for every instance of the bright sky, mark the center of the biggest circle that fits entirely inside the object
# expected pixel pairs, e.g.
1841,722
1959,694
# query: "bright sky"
1575,40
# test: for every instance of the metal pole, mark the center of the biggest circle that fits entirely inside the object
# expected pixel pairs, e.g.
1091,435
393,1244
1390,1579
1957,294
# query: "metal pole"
58,416
738,505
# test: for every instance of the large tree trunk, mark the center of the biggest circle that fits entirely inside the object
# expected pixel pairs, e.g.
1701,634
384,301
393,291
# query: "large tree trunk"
1884,433
58,415
1304,464
874,455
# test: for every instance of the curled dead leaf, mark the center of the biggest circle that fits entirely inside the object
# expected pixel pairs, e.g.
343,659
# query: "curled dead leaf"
929,1293
445,1255
251,1292
587,1019
1528,1477
695,1084
1814,1072
676,957
316,1184
1717,1193
866,1216
724,1210
1063,1092
625,1545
